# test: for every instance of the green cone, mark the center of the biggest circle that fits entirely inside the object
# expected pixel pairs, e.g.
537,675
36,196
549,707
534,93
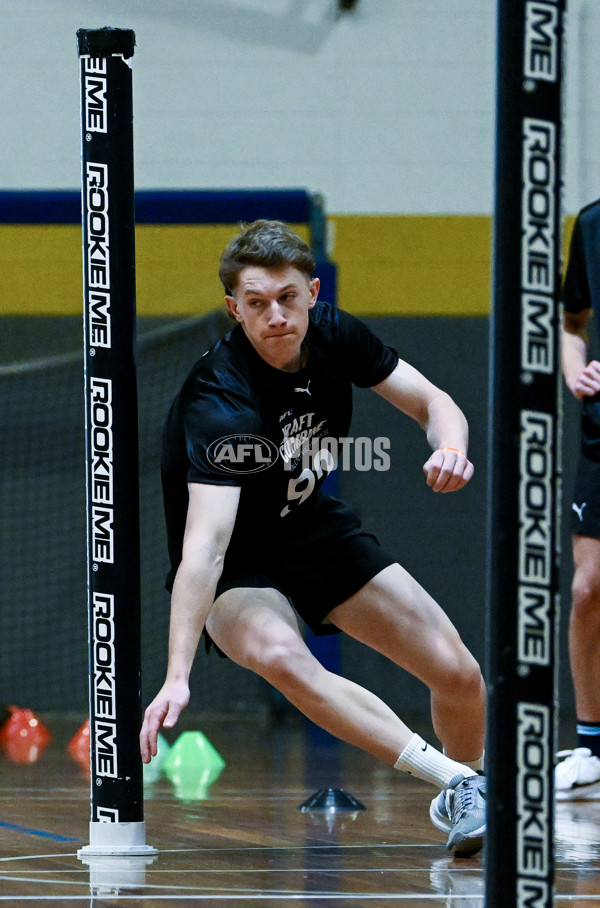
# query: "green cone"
192,765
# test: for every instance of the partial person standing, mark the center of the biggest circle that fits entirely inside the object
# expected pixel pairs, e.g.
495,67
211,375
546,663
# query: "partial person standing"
577,774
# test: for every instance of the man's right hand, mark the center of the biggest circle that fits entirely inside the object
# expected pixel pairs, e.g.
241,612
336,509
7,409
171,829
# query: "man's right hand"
163,712
588,382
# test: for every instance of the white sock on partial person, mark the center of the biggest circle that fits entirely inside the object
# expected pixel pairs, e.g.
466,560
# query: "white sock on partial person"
422,760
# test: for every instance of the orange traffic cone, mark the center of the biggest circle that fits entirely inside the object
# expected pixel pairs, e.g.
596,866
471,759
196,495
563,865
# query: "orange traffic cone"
79,746
23,736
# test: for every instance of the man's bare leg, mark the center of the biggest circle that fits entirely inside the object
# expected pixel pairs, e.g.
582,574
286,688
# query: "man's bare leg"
394,615
584,628
257,628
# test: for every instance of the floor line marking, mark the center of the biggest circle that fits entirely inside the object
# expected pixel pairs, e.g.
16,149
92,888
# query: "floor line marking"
39,832
37,857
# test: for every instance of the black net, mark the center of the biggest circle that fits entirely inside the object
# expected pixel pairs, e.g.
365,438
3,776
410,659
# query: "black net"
43,613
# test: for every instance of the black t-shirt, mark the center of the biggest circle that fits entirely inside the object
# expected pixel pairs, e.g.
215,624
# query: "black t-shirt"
239,421
580,291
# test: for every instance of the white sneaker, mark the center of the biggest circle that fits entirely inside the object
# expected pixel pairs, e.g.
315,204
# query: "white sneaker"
577,775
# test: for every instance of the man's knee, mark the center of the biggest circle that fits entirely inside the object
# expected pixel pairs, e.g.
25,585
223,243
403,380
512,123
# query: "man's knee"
461,677
245,621
585,592
264,642
284,661
585,585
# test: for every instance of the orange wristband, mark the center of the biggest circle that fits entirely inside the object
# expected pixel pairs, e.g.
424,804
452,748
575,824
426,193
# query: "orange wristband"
456,451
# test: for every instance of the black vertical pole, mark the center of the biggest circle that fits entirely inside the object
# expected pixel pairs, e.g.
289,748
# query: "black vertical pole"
117,822
524,537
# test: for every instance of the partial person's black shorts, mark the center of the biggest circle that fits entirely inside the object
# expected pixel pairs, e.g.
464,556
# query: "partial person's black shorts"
585,508
318,579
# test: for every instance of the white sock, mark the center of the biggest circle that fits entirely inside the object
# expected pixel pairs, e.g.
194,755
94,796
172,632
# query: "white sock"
425,762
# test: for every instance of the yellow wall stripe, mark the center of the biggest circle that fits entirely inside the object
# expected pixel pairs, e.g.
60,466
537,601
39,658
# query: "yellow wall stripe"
396,265
413,265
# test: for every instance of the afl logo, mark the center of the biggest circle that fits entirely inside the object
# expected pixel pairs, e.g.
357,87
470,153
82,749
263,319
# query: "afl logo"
242,453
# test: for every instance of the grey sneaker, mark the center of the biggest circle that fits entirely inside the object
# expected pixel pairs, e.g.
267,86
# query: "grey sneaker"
460,811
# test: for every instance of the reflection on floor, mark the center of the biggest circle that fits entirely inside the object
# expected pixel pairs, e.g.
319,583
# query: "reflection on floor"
244,838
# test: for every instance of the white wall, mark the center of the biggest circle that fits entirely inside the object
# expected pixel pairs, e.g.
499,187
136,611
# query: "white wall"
389,109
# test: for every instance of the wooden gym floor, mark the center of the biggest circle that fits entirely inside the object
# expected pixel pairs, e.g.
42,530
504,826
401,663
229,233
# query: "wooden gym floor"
249,843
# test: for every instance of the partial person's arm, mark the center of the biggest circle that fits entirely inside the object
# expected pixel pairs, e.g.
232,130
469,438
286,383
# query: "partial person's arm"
581,378
211,515
448,469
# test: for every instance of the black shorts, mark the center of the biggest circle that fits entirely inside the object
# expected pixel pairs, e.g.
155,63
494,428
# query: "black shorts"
585,509
317,579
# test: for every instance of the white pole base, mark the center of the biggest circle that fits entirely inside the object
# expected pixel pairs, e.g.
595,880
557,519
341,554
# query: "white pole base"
117,838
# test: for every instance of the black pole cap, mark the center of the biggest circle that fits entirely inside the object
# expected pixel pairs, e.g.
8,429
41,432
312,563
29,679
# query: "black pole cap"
106,42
